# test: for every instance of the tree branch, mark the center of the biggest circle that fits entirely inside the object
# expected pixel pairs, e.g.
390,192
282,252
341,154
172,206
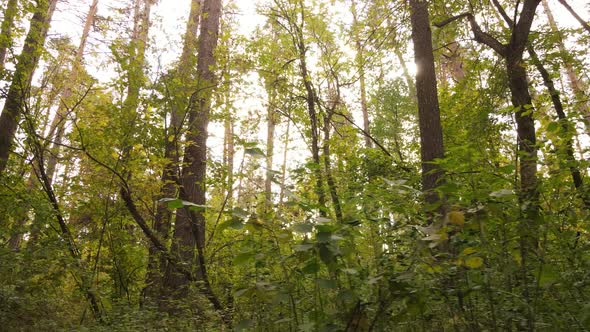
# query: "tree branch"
479,35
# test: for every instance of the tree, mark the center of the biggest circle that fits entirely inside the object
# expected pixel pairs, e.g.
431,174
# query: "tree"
56,129
576,83
6,30
27,61
170,174
428,109
569,8
190,225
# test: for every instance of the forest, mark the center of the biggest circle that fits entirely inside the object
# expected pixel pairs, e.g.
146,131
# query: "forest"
294,165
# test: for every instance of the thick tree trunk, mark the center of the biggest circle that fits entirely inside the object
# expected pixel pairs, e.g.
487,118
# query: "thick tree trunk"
16,98
6,31
162,221
431,137
522,102
190,225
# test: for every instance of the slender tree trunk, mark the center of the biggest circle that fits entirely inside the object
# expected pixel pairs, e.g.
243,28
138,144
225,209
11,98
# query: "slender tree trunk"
567,129
284,165
431,137
360,58
229,152
19,89
270,135
58,123
574,14
328,168
190,225
577,85
6,31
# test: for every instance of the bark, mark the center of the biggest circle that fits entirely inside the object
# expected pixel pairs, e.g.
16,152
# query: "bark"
58,123
314,132
172,259
512,53
27,62
229,157
361,69
526,135
328,169
190,225
64,231
575,15
270,126
577,85
6,31
162,220
567,128
284,165
431,138
271,123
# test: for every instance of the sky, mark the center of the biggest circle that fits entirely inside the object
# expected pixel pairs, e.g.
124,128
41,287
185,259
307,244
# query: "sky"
169,21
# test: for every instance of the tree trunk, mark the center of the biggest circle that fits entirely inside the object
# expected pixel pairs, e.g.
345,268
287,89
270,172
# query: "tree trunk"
18,92
574,14
431,137
229,157
190,225
270,135
361,70
284,164
58,123
162,221
6,31
328,168
577,85
567,129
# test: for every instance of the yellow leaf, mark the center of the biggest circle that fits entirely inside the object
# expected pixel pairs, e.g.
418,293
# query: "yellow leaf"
468,251
474,262
457,218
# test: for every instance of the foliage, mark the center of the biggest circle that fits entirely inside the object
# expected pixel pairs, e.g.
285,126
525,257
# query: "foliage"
366,256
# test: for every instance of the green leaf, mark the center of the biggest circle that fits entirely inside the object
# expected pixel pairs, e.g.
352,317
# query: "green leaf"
176,203
327,255
244,325
303,228
241,213
553,127
172,203
234,222
326,283
502,193
311,268
243,258
350,271
255,152
324,237
303,247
